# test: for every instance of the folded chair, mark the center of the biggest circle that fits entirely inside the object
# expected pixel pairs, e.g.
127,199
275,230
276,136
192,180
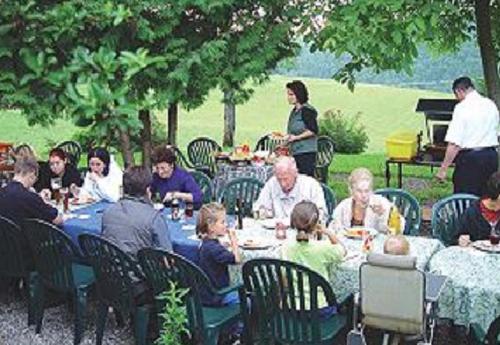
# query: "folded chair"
392,298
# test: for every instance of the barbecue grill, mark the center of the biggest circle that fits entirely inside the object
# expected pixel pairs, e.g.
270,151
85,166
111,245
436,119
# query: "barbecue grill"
438,113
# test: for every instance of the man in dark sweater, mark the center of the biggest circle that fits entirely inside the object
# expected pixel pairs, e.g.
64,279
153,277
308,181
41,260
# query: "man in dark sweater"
481,218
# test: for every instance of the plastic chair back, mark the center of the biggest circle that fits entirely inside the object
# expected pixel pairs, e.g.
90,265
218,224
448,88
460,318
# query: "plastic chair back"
330,199
53,252
284,298
162,267
15,255
408,207
116,272
205,185
181,160
246,189
201,154
493,335
73,151
324,157
446,216
393,294
269,143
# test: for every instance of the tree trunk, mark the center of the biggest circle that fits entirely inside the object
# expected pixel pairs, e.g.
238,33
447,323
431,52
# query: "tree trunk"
147,144
229,119
173,112
128,155
488,55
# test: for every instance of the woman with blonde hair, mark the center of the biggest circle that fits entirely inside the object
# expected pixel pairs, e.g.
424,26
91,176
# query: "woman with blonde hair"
363,207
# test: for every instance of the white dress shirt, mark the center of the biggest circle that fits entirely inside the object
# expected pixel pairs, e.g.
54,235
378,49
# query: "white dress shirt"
105,188
474,123
273,198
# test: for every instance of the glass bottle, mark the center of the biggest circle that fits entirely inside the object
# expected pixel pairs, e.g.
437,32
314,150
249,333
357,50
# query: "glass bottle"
175,209
394,221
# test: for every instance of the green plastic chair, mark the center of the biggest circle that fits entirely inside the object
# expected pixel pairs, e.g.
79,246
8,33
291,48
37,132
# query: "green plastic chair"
58,268
268,143
277,290
120,284
16,260
181,160
446,216
201,152
246,189
205,184
331,201
491,337
205,323
408,207
324,157
73,151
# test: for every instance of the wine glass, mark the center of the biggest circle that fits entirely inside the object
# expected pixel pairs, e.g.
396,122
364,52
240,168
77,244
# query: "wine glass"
494,233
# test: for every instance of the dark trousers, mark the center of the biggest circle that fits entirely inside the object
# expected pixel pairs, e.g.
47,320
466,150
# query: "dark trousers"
473,169
306,162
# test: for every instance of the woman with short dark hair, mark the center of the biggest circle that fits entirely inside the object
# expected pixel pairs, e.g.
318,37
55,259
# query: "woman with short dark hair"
482,217
302,130
172,182
57,167
103,181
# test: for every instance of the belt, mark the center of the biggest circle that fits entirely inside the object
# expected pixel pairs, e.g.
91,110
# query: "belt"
479,149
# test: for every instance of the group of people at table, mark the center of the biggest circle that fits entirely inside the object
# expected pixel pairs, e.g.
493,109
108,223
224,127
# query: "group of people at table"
291,196
296,200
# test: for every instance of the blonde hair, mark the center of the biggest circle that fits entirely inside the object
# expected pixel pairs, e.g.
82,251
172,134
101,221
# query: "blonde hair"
396,245
304,218
207,216
359,174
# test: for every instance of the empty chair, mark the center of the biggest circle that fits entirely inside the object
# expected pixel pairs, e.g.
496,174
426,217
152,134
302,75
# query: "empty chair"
16,260
492,336
392,297
331,201
244,189
205,323
269,143
284,303
205,184
57,265
446,215
120,284
408,207
201,152
324,157
73,151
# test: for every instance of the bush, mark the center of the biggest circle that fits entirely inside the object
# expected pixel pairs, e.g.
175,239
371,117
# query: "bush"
348,134
174,316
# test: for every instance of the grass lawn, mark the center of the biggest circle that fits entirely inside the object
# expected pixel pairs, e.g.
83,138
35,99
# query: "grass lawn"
383,111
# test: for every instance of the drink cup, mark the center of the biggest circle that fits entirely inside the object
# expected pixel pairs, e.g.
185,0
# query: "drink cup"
189,210
494,239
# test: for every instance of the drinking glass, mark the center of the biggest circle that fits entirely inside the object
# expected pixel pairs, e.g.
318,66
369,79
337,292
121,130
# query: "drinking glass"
189,210
494,233
65,197
56,185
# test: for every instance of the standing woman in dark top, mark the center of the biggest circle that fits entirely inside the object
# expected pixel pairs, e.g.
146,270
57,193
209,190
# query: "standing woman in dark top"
302,131
57,166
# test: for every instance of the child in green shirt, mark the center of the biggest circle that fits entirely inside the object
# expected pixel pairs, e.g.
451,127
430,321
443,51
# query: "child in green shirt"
315,254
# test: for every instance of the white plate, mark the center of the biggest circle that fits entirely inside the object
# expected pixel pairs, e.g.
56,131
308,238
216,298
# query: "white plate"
486,246
268,223
353,232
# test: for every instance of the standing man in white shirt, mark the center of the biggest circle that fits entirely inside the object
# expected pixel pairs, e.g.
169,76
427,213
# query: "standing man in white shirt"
472,139
287,188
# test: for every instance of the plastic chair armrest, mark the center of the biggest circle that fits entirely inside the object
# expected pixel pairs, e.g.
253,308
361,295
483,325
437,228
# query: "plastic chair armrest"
225,291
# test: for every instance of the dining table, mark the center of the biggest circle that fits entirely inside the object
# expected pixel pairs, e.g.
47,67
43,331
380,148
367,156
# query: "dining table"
258,240
472,291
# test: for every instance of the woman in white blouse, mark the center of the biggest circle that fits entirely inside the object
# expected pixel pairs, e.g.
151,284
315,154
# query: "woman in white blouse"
363,207
103,181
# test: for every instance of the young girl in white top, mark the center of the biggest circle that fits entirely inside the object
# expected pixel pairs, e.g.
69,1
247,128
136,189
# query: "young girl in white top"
103,181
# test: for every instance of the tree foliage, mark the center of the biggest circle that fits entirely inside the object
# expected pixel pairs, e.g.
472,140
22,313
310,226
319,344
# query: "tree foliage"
384,35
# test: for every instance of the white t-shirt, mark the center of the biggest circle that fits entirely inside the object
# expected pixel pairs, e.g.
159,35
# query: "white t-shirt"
474,123
107,187
273,198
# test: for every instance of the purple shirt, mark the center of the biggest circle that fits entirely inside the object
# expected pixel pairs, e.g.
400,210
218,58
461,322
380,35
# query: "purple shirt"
179,181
